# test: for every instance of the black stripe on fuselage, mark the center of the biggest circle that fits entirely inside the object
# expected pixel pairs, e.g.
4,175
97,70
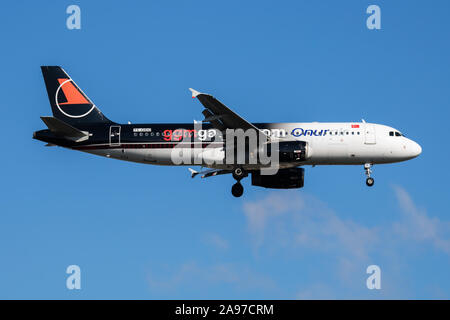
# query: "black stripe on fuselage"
162,133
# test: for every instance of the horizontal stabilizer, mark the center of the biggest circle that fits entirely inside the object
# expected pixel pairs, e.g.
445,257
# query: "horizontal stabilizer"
61,128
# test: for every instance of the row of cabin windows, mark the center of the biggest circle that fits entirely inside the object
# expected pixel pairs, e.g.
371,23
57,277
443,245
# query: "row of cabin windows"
342,133
141,134
395,133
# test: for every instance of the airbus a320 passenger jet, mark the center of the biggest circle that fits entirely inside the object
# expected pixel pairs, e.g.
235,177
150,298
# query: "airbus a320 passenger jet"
79,125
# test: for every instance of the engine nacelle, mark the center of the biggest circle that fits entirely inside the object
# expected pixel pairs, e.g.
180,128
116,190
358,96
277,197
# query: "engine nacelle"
284,179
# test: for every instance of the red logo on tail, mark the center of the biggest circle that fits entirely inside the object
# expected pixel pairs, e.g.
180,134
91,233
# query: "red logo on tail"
72,94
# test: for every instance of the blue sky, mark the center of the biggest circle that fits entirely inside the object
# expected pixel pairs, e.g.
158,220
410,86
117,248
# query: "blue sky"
145,232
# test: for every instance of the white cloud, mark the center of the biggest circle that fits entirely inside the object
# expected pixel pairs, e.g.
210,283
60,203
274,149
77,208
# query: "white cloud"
292,227
416,225
260,212
316,291
298,224
217,241
199,276
302,225
300,220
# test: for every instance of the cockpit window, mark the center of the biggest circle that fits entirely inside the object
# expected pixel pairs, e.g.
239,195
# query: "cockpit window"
395,134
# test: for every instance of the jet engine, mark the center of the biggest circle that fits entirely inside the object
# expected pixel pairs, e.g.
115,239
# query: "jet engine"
284,179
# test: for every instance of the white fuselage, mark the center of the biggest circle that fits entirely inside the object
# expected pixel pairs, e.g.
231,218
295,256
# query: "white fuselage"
328,144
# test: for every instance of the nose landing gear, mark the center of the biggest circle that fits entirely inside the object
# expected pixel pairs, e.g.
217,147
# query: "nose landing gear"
370,182
237,189
368,169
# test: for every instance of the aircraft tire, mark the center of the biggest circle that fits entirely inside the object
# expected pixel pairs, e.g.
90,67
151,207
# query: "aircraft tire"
370,182
237,190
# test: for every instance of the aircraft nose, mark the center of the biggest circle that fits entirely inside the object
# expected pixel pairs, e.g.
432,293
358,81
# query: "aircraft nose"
416,149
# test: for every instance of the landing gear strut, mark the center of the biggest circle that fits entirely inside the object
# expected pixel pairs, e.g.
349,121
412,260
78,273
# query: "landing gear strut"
237,189
368,169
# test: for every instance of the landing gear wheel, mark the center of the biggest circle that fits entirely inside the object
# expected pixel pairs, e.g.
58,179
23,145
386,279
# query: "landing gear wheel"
370,182
237,190
238,173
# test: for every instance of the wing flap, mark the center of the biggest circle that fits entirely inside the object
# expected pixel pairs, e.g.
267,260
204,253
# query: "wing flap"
208,173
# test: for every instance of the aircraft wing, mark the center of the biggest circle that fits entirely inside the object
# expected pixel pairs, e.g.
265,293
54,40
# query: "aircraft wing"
220,116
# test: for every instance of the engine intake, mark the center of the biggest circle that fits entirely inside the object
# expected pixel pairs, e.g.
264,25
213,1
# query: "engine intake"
284,179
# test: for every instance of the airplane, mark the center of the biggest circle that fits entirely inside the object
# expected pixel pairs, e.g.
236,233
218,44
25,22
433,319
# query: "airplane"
78,124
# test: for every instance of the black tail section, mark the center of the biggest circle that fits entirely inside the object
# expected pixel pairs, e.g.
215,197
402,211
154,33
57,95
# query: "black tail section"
68,101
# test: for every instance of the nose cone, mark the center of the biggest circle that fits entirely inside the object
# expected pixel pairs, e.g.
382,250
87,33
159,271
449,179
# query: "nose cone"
415,149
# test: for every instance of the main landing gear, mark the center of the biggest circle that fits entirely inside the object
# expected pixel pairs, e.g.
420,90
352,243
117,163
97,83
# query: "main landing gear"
368,169
237,189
